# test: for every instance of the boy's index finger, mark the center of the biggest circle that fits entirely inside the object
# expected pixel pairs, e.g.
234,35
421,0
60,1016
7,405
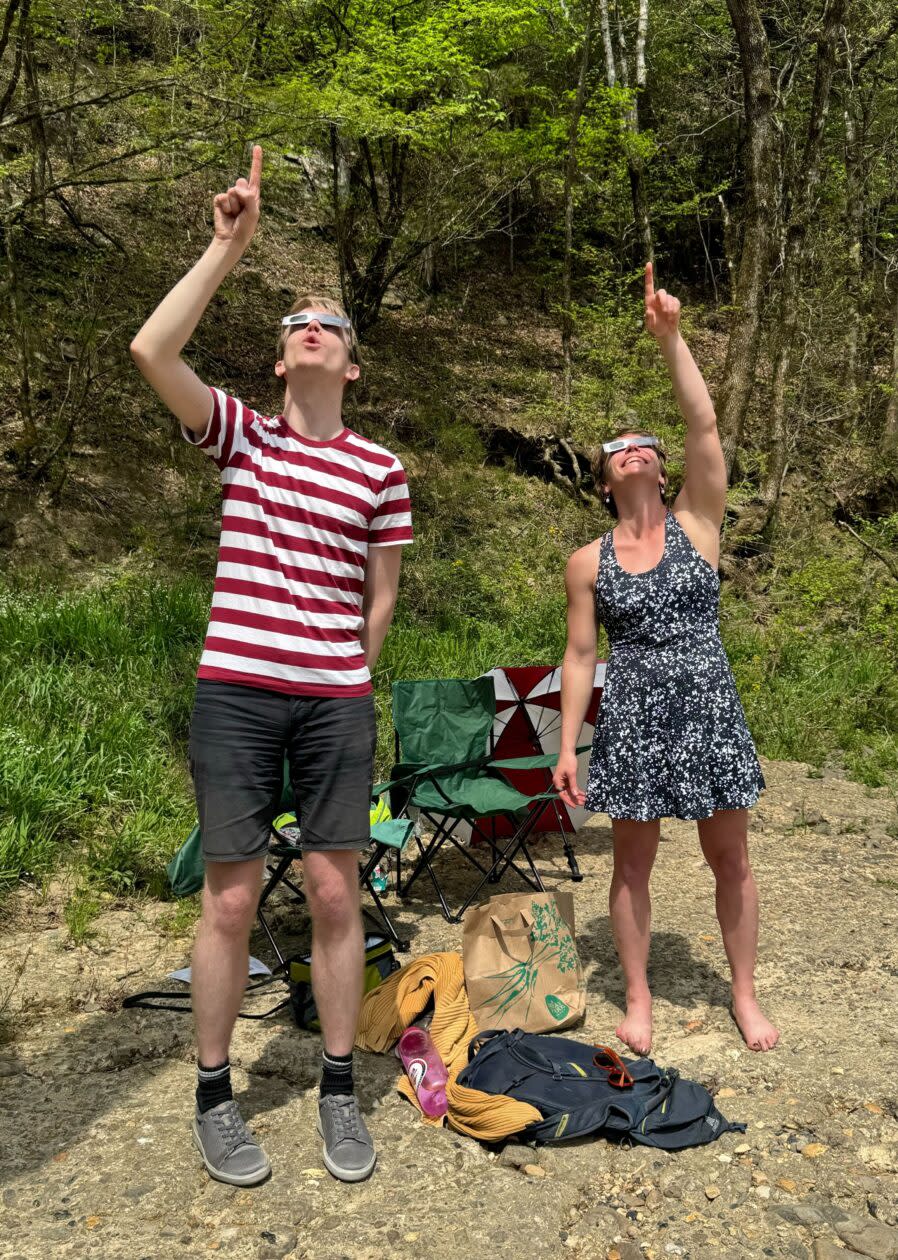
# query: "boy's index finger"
255,170
649,282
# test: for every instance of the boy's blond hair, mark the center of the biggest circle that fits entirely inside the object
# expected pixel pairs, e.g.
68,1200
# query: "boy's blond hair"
328,306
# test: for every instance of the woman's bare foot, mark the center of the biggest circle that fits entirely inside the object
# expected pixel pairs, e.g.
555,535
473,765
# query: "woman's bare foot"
636,1027
756,1028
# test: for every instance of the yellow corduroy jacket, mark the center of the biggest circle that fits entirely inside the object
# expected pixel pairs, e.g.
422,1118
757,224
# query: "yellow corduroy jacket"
390,1008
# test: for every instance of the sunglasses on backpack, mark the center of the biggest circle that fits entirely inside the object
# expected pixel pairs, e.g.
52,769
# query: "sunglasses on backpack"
608,1060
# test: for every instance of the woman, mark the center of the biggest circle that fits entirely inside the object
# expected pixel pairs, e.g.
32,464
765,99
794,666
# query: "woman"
671,739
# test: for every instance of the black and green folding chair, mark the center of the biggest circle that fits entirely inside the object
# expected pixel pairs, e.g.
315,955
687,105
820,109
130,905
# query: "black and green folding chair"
388,836
445,771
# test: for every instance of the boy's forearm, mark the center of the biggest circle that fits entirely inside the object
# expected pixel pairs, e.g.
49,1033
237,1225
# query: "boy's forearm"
378,620
688,383
172,323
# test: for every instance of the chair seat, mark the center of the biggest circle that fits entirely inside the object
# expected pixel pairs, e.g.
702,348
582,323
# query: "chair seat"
469,798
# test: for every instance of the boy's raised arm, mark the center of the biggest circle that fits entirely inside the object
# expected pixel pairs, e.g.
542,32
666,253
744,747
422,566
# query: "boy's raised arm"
157,347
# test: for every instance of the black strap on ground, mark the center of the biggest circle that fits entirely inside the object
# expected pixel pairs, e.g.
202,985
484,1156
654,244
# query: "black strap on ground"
168,1000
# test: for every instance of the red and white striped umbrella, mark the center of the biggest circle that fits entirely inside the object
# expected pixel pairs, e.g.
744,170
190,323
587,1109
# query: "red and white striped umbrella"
528,721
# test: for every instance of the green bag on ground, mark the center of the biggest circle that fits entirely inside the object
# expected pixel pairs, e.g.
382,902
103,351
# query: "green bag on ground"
380,962
186,871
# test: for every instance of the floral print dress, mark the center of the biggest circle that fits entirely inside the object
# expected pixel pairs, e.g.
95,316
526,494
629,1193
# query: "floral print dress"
671,739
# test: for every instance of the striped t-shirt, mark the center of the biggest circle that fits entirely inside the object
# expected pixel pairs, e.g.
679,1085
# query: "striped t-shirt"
298,517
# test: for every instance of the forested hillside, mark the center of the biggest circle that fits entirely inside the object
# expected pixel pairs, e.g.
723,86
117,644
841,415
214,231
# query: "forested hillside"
481,181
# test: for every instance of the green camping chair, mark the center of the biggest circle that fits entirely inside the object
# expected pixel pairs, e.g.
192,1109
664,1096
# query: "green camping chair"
186,870
444,770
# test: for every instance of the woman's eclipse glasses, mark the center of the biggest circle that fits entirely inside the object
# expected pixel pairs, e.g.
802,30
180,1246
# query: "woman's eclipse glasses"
621,444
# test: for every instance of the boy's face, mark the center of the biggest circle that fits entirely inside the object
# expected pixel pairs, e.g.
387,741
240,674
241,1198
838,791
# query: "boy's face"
316,350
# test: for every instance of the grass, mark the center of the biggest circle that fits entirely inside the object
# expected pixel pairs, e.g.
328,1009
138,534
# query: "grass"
98,682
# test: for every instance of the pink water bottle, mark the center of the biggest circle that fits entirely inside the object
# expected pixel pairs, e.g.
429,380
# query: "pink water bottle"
425,1069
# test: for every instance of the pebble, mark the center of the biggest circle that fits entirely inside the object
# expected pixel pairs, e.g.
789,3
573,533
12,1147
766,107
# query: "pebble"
712,1192
813,1150
826,1250
869,1237
799,1213
879,1158
514,1155
534,1170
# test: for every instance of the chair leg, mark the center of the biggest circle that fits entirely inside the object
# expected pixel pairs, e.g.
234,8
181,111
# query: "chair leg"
506,859
366,880
423,863
402,945
568,844
282,962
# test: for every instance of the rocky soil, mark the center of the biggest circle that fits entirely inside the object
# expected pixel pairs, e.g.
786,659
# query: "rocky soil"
96,1101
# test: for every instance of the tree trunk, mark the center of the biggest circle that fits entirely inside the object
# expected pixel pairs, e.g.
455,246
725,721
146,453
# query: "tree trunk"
18,304
570,175
9,88
635,164
805,186
745,328
890,431
729,243
854,218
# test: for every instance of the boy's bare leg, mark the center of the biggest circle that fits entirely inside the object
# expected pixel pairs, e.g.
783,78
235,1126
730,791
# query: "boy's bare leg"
331,881
220,967
724,840
635,846
221,953
332,886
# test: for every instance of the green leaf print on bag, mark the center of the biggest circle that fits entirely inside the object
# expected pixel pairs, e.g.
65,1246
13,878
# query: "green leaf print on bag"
550,941
557,1009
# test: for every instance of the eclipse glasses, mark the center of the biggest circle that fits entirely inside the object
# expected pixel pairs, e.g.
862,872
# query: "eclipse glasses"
621,444
302,318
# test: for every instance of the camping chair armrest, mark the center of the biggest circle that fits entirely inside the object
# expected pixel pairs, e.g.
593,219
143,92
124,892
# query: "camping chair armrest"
539,761
405,773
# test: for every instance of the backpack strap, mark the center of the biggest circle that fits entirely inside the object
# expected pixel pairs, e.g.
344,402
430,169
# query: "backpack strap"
165,1000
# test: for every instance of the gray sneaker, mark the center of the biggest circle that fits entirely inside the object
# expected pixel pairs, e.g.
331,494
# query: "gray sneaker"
348,1150
229,1150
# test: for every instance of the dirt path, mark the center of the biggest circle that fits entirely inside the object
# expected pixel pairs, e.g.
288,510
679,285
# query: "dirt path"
96,1101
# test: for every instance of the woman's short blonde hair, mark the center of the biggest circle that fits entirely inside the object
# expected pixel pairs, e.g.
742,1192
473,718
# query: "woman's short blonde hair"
600,463
328,306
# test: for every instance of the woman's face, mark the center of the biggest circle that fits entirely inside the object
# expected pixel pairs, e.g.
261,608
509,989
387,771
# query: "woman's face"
632,461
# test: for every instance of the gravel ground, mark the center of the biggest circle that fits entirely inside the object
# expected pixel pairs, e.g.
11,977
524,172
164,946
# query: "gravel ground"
97,1159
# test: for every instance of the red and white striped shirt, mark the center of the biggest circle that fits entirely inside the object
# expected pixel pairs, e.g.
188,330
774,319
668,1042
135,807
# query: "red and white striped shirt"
298,517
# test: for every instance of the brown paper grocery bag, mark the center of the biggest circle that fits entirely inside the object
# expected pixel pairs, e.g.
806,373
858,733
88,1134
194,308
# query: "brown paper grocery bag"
521,964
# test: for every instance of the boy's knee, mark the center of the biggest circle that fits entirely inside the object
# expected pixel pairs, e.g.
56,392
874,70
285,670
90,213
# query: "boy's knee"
332,902
230,911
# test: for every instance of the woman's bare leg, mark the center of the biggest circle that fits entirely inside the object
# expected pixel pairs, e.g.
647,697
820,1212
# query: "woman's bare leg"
724,840
635,846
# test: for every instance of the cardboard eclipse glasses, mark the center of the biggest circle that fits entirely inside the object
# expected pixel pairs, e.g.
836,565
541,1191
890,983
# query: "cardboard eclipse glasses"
324,318
621,444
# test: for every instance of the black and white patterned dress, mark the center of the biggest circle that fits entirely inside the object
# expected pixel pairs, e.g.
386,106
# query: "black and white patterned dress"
671,739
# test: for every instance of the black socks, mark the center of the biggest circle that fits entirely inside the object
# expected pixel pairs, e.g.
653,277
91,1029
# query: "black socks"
336,1074
213,1085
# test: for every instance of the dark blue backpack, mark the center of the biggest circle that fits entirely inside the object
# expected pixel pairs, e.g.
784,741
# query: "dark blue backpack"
557,1076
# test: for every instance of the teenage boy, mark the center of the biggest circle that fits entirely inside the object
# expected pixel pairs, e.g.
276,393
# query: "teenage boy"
313,522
